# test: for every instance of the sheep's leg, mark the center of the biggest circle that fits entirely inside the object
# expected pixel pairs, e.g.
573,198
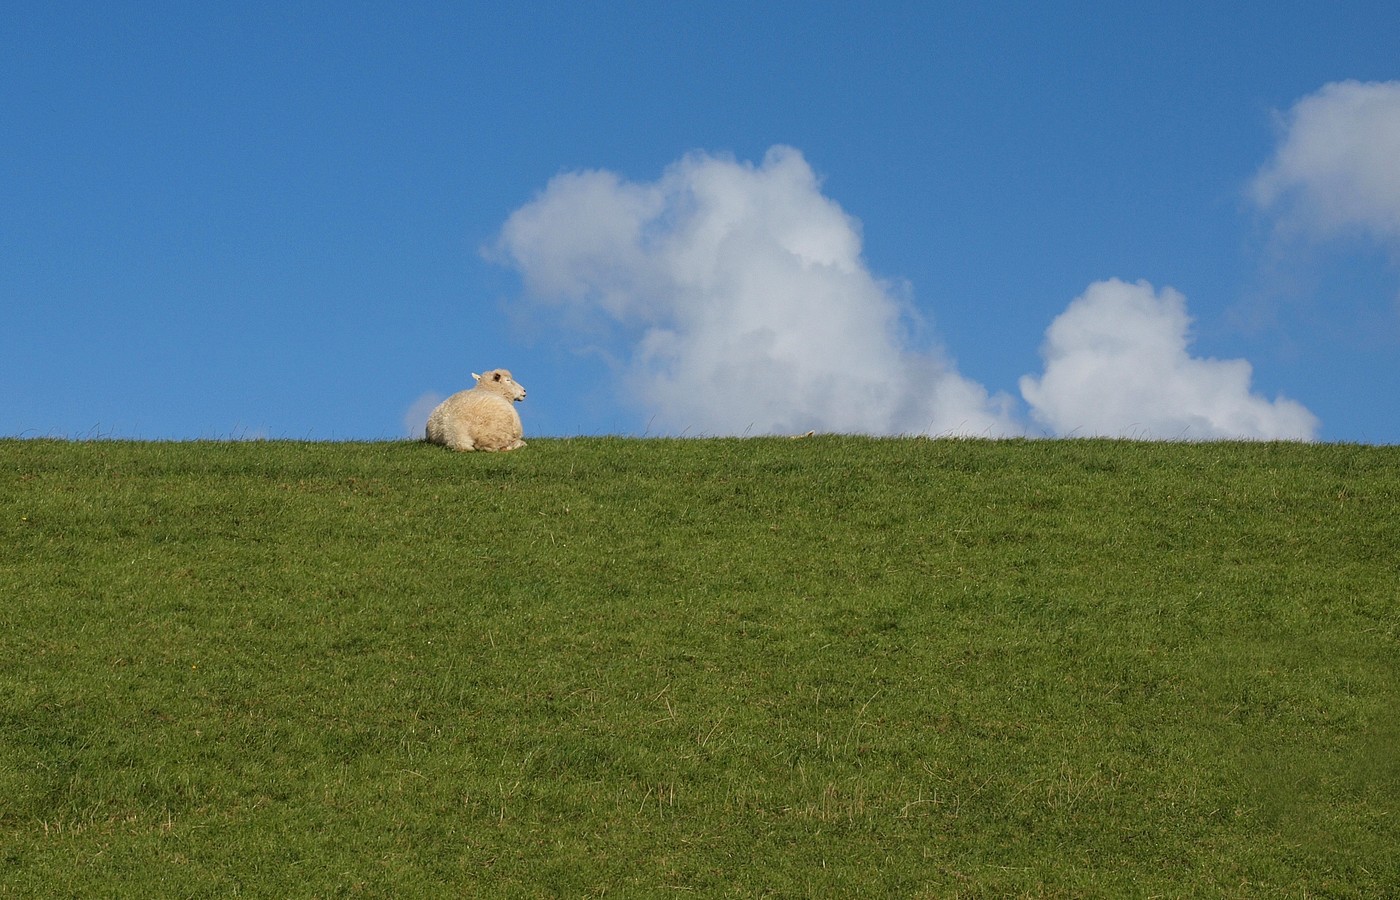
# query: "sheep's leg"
461,440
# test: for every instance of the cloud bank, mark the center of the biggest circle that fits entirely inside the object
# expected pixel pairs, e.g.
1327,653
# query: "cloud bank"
744,300
1116,364
1337,166
736,301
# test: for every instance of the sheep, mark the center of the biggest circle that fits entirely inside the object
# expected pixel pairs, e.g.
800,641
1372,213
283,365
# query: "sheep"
482,418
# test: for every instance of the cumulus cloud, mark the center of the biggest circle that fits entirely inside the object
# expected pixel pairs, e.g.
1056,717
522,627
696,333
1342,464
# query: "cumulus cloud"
733,298
1337,166
415,418
1117,364
741,302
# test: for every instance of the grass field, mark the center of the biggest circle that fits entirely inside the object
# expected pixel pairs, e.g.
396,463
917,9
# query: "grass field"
750,668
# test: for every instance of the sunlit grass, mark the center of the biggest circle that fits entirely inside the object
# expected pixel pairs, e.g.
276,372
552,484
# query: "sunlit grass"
834,666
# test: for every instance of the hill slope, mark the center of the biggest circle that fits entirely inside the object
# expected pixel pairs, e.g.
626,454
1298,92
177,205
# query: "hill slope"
732,667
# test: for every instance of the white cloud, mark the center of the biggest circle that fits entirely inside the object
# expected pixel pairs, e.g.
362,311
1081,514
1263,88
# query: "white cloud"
743,302
415,418
1116,364
1337,166
736,301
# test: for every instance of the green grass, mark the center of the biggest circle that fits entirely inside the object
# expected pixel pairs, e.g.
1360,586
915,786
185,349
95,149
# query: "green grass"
825,667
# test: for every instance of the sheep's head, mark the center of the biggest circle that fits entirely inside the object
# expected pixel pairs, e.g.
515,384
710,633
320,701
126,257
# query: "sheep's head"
500,382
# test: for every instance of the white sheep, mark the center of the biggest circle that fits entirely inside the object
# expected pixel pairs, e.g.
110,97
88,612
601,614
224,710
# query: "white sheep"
482,418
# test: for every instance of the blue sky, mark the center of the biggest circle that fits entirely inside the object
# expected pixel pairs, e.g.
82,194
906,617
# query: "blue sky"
313,220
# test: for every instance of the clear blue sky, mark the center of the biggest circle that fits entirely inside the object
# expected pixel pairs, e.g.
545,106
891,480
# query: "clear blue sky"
311,220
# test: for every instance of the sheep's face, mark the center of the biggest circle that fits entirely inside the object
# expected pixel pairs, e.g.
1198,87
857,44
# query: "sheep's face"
499,380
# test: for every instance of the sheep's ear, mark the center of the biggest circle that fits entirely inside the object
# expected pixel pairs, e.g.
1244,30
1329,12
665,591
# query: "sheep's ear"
475,377
495,376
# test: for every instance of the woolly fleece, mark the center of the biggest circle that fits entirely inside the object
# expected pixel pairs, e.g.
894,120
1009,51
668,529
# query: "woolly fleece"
482,418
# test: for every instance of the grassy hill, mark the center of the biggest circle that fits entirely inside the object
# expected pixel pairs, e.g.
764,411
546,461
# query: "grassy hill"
763,667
